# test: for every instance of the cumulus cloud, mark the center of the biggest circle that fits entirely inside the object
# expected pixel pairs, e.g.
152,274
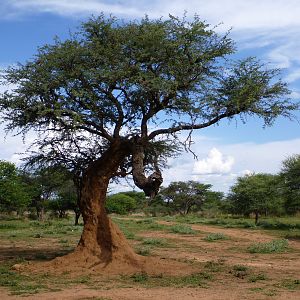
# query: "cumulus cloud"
215,163
248,158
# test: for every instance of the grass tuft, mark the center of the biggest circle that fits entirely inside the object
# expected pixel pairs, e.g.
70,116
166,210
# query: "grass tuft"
155,242
257,277
182,229
193,280
144,251
215,237
239,271
275,246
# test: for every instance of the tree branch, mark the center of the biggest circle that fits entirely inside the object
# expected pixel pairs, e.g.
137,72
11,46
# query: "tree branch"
215,120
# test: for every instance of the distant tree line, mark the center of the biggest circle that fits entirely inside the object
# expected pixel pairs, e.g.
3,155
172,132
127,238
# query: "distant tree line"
54,190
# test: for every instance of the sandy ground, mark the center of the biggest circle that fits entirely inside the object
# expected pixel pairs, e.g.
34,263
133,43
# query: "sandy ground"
277,267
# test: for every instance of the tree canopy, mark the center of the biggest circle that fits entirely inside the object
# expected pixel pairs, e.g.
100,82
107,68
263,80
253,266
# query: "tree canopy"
290,173
111,100
14,194
257,194
183,196
140,82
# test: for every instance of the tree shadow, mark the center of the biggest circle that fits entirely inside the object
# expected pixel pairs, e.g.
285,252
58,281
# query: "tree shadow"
40,254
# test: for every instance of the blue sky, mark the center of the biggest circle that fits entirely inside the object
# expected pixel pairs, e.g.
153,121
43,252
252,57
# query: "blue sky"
267,29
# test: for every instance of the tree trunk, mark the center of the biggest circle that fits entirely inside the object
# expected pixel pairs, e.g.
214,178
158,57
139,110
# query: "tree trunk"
256,217
101,243
151,184
77,216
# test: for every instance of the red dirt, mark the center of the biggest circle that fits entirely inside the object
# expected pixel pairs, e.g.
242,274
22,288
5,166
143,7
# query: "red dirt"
189,249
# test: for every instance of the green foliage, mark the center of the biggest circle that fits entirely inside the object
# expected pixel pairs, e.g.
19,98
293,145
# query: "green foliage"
290,284
257,277
215,237
107,83
193,280
182,229
13,191
120,204
19,284
140,277
139,197
240,271
155,242
256,193
66,198
214,266
184,197
290,173
144,251
275,246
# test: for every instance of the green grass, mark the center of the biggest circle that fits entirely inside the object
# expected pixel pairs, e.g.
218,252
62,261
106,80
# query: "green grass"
239,271
293,236
64,234
215,237
275,246
257,277
282,223
214,266
290,284
182,229
18,283
193,280
144,251
155,242
27,229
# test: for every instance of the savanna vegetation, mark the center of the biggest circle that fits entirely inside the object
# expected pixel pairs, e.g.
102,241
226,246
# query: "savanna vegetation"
109,103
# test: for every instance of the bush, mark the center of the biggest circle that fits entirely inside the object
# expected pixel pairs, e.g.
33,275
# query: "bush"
120,204
275,246
182,229
215,236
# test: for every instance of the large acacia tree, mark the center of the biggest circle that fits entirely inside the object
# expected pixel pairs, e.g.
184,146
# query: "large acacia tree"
123,92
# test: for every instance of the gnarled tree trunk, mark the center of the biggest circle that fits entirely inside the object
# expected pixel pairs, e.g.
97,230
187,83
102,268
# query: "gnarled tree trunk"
151,184
101,243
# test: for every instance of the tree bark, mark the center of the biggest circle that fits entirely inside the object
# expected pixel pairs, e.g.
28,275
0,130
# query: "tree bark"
100,237
151,184
256,217
77,216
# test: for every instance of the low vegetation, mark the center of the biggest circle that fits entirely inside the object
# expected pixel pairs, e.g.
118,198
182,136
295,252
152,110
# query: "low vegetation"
275,246
149,237
182,229
215,237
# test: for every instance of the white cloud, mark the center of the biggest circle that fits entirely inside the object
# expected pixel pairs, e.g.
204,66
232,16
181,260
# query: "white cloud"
215,163
251,14
293,76
248,158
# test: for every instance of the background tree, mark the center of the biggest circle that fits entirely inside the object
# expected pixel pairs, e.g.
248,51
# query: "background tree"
120,204
65,199
13,191
139,198
290,173
44,185
127,90
183,196
257,194
214,203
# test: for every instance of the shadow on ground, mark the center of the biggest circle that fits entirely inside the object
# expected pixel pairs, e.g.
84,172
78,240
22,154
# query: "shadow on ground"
13,253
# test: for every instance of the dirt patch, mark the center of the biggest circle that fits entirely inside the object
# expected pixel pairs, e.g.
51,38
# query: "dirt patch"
269,275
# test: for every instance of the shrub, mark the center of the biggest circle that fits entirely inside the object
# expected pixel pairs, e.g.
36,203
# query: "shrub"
215,236
155,242
182,229
275,246
120,204
240,271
